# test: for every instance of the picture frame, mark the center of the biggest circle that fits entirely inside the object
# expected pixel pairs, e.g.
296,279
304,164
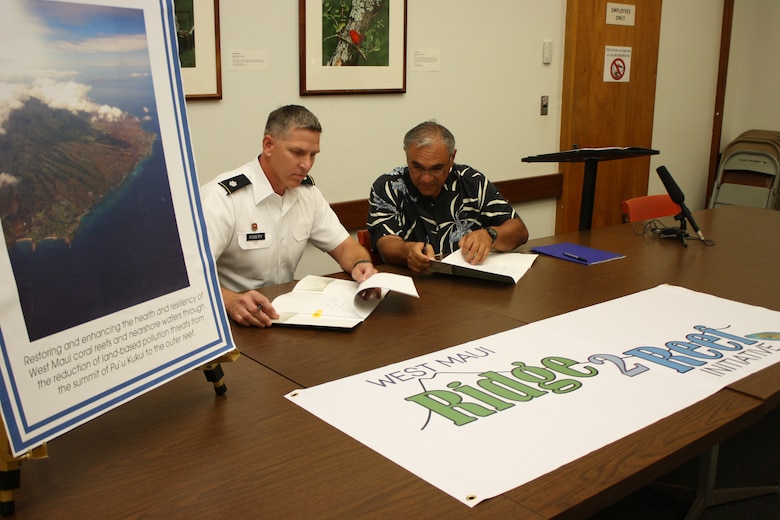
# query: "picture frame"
199,51
339,55
125,182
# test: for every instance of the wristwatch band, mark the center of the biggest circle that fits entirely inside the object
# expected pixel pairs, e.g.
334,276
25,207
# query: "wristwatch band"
493,234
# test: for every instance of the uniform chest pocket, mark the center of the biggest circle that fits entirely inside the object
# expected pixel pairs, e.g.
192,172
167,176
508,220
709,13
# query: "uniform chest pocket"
254,240
301,233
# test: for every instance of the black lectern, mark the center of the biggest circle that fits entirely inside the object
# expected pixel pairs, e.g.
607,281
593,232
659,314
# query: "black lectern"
591,158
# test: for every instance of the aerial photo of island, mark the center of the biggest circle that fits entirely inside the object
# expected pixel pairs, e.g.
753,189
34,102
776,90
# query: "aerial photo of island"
85,200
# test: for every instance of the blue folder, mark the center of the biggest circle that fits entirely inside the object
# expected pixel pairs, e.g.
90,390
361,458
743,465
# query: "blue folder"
577,253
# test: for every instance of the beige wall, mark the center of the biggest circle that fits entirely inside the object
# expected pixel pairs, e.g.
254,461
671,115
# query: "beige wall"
688,57
753,86
487,92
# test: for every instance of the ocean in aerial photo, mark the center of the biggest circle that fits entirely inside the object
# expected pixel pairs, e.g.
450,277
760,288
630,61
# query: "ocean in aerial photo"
85,199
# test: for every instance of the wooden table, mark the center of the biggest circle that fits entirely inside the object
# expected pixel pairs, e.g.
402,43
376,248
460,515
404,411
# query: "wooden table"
180,451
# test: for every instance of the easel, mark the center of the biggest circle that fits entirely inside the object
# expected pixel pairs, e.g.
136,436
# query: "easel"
10,466
10,472
213,371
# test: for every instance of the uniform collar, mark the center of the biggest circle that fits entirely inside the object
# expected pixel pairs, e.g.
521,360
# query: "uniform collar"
261,186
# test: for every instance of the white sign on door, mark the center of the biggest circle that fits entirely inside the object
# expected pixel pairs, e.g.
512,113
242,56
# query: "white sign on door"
620,14
617,64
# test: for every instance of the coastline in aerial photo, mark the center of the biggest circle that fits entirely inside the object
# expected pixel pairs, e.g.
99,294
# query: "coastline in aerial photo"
85,202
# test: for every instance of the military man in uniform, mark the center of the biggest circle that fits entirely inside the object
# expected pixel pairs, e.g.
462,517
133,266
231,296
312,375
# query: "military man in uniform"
260,216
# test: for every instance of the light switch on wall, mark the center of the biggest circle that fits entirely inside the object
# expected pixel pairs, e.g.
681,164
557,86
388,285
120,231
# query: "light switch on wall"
547,52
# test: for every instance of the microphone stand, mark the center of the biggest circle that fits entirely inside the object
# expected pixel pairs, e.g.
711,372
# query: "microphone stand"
680,233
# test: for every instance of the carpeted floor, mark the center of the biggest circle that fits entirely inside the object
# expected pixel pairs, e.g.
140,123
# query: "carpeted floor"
751,458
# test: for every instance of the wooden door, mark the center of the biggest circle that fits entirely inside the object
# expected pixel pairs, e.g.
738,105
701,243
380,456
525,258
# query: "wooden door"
597,113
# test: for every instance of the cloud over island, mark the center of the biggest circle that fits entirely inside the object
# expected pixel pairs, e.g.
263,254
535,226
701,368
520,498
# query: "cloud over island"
66,95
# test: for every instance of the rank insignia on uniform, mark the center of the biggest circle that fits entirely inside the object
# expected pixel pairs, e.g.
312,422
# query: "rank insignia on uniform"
308,180
235,183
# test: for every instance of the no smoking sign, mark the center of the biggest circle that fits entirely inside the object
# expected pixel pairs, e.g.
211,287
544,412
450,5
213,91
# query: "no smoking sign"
617,64
618,69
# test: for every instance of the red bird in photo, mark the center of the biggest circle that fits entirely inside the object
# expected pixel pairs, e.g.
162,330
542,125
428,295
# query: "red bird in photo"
355,36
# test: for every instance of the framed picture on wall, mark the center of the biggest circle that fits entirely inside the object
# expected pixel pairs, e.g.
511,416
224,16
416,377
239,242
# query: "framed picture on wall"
352,46
199,50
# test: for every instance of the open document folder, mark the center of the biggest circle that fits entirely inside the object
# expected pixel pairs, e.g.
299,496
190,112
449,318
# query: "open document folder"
499,267
319,301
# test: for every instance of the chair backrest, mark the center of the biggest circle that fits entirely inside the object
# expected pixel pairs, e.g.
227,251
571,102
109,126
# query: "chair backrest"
364,237
648,207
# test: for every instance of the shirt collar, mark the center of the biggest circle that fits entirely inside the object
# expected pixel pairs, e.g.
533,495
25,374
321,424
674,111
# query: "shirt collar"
262,186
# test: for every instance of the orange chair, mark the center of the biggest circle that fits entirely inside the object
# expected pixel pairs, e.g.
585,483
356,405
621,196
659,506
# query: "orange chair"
364,237
648,207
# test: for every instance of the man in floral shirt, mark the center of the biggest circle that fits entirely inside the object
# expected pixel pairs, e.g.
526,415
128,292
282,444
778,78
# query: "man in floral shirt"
432,206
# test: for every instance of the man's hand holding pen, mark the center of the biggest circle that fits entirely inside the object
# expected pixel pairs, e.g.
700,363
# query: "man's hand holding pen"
419,256
249,308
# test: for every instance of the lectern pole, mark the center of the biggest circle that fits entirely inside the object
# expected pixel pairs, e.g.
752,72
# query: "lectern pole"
588,194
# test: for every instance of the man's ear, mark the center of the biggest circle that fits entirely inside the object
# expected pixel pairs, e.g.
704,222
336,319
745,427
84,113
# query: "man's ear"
268,143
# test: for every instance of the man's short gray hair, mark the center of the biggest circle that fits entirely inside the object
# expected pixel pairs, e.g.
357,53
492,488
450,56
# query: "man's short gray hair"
427,133
285,119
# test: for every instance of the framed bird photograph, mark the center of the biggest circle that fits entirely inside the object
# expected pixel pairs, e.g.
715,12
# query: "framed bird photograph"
199,51
352,46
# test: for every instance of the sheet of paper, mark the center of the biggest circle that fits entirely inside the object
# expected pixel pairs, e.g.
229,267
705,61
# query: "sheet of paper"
514,265
329,302
394,282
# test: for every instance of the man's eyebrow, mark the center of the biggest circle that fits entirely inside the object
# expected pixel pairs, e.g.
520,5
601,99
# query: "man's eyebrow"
298,149
418,165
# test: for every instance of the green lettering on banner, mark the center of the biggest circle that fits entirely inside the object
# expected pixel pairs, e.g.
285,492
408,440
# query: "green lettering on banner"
563,366
496,389
544,378
446,408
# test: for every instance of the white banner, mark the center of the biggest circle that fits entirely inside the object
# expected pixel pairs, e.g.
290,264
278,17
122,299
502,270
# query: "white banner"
108,287
484,417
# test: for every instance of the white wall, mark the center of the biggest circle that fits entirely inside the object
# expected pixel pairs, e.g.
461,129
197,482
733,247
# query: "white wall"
753,86
688,57
487,92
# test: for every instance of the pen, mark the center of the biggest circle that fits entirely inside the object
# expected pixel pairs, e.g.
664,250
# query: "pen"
425,245
576,257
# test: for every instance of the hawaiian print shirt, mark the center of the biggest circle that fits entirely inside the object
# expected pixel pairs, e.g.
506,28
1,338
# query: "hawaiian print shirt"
468,201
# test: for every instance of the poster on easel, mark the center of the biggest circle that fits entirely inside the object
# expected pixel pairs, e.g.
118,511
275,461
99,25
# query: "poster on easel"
107,286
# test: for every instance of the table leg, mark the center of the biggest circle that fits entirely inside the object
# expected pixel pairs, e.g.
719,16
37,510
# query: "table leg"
706,493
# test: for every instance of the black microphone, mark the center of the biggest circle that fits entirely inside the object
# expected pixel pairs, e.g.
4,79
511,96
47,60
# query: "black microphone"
677,196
